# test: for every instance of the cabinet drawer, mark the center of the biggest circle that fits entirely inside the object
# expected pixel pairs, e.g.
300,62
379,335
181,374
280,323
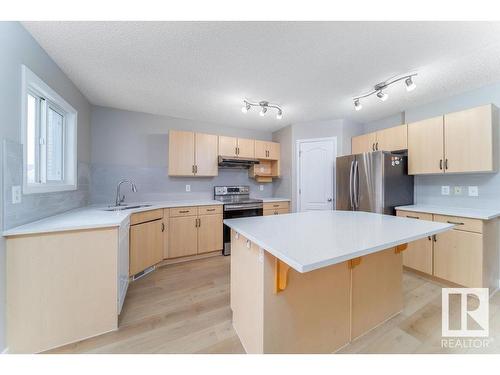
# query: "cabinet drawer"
142,217
276,205
278,211
210,210
415,215
183,211
463,223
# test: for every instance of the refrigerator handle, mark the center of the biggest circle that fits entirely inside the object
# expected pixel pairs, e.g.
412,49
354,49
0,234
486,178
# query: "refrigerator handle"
356,184
350,184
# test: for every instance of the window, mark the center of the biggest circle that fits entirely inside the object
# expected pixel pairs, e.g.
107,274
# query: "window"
49,138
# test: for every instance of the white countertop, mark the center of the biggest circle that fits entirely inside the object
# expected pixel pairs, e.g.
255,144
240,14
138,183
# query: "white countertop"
473,213
95,217
277,199
310,240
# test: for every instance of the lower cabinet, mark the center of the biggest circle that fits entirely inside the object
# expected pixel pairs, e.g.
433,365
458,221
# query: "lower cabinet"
210,233
182,236
146,244
276,208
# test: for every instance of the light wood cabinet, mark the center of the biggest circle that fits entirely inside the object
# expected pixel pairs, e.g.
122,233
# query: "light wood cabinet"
425,146
469,140
392,139
166,226
192,154
183,239
418,254
146,245
210,233
236,147
276,208
363,143
267,150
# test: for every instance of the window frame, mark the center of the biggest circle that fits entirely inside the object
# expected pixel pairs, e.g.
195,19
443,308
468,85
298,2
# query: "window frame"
33,85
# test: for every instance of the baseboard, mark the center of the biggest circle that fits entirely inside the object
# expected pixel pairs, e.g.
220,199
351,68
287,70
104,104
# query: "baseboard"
5,351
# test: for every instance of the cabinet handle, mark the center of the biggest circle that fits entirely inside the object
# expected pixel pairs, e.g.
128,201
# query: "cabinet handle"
199,222
183,211
192,169
454,222
445,163
434,237
163,227
210,209
276,212
441,164
196,169
376,146
412,217
276,205
429,238
373,146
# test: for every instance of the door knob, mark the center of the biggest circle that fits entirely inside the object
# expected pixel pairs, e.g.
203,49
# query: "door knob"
329,199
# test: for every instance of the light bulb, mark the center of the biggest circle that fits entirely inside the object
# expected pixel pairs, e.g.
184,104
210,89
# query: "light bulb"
410,85
279,116
382,95
357,105
263,111
245,108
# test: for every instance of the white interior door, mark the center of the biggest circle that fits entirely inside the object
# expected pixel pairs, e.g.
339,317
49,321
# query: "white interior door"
316,174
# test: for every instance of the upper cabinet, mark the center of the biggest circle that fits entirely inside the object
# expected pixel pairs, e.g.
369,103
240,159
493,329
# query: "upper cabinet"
236,147
390,139
192,154
459,142
267,150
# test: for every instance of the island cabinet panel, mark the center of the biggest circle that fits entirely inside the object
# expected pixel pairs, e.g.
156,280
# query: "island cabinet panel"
61,288
376,290
418,255
312,314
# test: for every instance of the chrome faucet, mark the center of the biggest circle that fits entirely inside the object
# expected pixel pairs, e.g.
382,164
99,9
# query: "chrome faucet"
120,199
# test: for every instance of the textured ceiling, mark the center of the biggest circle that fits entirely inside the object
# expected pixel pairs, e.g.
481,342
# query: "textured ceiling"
203,70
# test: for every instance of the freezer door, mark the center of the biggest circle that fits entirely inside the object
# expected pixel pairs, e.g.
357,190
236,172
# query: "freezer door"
343,196
368,182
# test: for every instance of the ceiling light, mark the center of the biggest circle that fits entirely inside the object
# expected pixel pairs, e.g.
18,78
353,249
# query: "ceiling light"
279,116
245,108
382,95
357,105
264,106
263,111
410,85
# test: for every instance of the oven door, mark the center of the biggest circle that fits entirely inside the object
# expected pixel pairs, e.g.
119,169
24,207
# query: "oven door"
235,214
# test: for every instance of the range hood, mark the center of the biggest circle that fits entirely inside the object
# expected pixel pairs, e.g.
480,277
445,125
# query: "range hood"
233,162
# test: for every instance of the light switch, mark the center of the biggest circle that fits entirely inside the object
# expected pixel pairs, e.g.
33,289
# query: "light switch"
188,187
16,194
473,191
445,190
457,190
261,187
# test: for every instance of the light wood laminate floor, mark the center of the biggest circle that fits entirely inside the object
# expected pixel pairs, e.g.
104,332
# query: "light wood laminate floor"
184,308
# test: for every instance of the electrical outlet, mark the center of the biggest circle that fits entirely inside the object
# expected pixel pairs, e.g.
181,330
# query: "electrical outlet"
261,187
16,194
188,187
445,190
473,191
457,190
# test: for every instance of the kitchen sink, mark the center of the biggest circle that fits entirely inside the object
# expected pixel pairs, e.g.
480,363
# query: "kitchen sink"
121,208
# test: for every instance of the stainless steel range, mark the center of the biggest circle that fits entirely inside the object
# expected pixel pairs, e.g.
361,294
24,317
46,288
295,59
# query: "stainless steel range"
237,203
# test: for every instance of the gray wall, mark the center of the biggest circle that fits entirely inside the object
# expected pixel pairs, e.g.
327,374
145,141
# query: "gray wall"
342,129
134,145
428,188
18,47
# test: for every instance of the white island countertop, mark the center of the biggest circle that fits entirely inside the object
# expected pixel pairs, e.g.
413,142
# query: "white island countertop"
472,213
310,240
92,217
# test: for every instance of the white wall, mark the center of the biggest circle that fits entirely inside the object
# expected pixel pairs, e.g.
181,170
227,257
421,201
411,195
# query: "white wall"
18,47
134,145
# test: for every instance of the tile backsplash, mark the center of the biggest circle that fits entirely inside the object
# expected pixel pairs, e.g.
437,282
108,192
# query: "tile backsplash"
37,206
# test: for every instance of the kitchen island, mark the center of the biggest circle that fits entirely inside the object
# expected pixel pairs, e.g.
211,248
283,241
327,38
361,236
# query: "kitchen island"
312,282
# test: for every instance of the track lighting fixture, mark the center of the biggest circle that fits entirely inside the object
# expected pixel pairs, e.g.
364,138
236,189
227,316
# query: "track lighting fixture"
264,106
379,88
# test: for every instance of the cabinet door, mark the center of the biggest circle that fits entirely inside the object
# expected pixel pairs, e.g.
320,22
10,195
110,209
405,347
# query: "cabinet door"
246,148
206,155
273,150
261,149
468,140
425,146
180,153
182,236
227,146
363,143
146,245
458,257
418,255
166,225
209,233
392,139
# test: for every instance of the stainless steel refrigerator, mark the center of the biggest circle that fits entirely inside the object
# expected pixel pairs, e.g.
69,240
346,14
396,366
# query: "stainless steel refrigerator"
373,181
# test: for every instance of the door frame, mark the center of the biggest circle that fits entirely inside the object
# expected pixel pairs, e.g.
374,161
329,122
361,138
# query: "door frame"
298,142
